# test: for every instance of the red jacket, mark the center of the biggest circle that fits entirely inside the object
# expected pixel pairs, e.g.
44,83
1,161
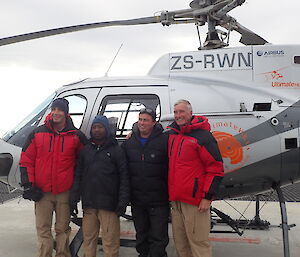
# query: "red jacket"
48,158
195,162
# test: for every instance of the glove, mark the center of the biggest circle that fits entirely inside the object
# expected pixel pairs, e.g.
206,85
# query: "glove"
120,210
32,193
73,209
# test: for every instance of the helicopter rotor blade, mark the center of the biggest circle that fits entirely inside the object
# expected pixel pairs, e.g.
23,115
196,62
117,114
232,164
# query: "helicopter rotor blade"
165,18
69,29
199,8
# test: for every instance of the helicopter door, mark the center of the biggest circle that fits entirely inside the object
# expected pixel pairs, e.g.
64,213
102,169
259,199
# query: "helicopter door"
122,105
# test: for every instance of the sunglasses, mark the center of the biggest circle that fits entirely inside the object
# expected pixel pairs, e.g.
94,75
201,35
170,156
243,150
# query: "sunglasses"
148,111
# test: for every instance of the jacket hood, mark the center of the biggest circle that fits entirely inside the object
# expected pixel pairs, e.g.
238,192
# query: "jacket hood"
197,122
157,130
69,125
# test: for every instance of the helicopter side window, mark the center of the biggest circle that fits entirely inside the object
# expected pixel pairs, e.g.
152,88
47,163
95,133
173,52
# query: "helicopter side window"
77,107
262,107
123,110
297,59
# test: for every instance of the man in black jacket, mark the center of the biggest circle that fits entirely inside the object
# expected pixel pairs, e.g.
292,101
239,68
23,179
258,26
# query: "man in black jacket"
101,181
146,153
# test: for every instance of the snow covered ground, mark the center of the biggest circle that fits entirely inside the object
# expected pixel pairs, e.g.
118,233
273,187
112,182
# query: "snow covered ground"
18,238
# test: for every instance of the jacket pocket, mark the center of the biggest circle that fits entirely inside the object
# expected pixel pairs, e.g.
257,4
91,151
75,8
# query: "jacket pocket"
195,188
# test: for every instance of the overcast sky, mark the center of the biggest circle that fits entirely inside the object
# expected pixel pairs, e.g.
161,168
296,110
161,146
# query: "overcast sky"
32,70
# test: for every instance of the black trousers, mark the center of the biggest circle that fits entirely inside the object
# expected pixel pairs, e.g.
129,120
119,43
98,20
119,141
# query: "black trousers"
151,225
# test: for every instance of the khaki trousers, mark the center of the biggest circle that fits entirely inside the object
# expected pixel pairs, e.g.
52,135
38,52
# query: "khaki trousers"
110,232
190,230
44,214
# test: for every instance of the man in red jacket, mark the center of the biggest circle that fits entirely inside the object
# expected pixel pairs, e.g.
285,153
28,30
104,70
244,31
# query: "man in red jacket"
47,169
195,173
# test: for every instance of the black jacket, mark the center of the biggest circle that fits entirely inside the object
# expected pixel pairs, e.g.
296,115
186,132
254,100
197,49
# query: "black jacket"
148,167
101,177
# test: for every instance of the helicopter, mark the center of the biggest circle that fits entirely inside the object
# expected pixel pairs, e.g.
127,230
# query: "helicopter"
250,95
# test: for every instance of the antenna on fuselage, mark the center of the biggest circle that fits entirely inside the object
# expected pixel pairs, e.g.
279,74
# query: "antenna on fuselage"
106,73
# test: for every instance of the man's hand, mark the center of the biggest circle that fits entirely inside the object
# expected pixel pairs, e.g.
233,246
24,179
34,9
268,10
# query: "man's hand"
32,193
204,205
129,135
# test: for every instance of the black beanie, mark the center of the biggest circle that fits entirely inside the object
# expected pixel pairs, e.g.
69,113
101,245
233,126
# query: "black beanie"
61,104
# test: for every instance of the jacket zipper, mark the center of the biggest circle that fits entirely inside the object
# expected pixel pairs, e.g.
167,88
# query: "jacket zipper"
50,145
63,142
195,189
180,147
172,146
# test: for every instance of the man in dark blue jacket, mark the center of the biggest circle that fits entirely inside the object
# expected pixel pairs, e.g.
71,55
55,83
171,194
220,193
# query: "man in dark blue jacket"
147,157
101,181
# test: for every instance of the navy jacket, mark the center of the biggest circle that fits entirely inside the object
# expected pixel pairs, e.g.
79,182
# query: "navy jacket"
148,168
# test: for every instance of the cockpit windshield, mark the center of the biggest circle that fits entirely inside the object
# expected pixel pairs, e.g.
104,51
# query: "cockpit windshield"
18,135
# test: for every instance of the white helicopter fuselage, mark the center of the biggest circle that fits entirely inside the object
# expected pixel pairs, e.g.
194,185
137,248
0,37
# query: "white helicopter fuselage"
249,94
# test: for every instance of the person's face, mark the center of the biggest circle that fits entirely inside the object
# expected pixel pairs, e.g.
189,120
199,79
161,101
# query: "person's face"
58,116
145,123
182,114
98,131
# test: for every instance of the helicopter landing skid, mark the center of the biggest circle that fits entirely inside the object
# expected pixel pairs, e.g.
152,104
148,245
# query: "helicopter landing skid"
224,218
284,225
78,239
257,223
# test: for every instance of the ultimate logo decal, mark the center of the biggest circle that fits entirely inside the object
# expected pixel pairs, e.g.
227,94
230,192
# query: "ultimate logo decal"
234,152
229,147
